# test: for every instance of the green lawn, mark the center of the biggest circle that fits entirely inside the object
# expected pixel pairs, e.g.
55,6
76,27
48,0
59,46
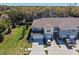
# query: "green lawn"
12,45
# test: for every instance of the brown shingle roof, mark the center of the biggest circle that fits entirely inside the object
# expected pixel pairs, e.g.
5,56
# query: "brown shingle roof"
60,22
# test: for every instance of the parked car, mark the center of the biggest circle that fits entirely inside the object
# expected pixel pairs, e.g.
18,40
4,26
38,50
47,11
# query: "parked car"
49,42
68,43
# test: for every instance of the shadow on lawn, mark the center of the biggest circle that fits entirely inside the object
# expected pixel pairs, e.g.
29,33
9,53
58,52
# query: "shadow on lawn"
1,38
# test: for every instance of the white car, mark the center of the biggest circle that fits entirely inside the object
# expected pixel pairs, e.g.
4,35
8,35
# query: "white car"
49,42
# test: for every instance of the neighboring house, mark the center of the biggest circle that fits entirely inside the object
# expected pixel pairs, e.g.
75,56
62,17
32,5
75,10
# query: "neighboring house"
5,16
58,28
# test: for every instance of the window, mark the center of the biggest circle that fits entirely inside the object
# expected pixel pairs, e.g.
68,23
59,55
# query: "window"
48,30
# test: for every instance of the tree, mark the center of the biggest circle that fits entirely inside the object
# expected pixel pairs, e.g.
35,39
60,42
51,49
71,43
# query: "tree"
4,24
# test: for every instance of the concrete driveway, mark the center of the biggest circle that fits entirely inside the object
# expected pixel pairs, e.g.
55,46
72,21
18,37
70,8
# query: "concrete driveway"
76,46
37,49
54,49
